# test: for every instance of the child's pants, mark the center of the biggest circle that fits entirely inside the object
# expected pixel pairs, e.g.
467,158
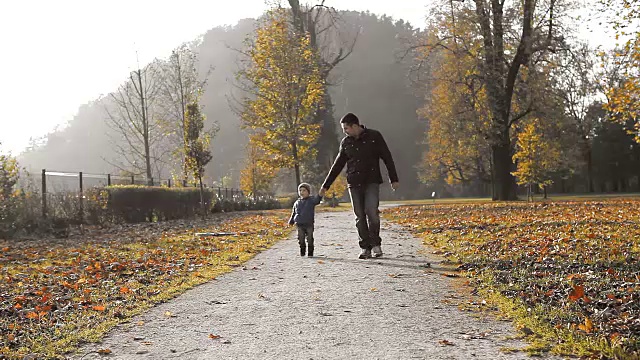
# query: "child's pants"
305,231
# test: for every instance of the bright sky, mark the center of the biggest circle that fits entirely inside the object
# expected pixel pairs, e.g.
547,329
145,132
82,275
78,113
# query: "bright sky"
57,55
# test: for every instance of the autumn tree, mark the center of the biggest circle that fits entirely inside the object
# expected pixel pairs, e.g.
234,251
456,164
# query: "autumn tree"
536,157
132,116
196,146
455,109
286,89
623,97
332,41
257,177
179,85
511,34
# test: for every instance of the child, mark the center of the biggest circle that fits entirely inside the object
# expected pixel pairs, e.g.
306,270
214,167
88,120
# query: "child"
303,215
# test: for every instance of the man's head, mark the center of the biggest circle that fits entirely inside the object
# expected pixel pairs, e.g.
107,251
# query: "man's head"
304,190
351,125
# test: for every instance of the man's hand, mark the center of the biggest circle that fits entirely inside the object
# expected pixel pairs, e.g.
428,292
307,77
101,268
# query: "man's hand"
322,191
394,185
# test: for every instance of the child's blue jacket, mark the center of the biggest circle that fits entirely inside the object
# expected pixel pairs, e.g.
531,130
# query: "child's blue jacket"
303,212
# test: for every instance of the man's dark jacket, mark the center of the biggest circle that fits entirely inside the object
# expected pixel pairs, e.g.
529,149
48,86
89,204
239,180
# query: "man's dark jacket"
362,156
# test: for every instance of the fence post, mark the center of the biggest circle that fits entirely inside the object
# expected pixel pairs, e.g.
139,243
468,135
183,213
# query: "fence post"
133,180
219,194
108,179
151,181
44,193
81,214
226,193
169,182
184,183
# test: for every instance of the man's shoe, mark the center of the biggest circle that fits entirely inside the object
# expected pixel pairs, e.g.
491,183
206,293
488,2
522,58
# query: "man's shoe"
302,251
377,251
365,254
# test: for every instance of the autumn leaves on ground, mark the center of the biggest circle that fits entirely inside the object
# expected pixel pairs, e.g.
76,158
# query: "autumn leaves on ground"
54,295
567,272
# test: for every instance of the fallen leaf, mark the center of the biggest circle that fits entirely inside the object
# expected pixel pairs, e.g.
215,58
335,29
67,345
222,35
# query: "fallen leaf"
213,336
98,308
32,315
576,293
104,351
445,342
587,326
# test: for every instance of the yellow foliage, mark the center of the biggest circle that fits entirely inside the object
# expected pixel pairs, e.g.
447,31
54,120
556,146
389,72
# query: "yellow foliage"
623,99
456,109
288,85
536,157
257,177
8,176
338,188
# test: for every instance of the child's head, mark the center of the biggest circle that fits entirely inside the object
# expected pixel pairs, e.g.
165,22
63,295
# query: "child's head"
304,190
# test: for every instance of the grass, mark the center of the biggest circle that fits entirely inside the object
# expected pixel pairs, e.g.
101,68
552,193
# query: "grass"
54,296
566,270
537,198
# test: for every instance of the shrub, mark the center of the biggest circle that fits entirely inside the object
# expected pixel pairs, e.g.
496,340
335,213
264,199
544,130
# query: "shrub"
8,179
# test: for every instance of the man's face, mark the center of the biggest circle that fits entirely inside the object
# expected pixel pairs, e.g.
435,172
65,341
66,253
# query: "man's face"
351,130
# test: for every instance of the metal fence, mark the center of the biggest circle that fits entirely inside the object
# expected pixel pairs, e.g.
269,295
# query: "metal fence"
70,187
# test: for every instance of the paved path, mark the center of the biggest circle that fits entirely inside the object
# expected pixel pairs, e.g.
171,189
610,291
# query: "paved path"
332,306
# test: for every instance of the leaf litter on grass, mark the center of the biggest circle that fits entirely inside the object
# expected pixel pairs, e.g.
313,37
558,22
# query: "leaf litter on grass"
54,294
578,262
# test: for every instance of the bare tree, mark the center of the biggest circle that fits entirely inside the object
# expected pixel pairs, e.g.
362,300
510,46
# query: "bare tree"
131,115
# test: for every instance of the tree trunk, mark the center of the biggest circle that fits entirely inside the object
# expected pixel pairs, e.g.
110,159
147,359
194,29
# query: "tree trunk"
145,123
327,145
296,163
183,105
504,182
589,171
202,204
304,21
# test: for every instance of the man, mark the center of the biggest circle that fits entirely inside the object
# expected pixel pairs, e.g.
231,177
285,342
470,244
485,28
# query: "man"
361,150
